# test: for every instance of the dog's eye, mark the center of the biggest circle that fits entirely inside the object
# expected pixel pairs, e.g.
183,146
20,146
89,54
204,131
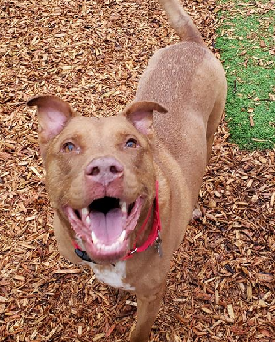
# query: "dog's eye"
131,143
68,147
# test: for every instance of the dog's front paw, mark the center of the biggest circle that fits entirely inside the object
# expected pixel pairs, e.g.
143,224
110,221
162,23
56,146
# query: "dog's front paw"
136,337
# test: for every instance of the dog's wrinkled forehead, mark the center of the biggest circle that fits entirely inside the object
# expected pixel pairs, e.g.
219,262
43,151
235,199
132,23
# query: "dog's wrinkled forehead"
101,133
102,126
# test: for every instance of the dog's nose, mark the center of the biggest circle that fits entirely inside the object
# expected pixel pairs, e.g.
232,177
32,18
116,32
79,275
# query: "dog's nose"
104,170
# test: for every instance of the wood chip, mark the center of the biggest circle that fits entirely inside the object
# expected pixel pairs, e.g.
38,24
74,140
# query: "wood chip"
67,271
252,124
230,311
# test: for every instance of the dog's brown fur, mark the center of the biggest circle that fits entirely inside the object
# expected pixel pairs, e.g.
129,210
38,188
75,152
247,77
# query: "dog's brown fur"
186,80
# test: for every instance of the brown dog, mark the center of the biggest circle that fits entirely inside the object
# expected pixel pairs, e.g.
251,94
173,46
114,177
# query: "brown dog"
123,188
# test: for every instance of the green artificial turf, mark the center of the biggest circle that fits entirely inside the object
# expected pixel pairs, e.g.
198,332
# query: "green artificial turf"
245,41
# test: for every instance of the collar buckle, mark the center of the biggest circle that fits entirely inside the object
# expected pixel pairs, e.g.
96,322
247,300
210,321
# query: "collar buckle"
158,245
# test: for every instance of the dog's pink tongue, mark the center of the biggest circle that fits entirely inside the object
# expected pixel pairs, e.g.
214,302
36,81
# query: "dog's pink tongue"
107,228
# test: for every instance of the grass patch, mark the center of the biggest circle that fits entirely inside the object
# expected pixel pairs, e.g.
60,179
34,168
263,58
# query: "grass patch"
247,49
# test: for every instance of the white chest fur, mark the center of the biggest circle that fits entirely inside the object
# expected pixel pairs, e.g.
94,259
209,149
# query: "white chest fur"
112,275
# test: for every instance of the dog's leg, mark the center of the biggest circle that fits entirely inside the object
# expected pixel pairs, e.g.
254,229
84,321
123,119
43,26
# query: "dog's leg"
147,310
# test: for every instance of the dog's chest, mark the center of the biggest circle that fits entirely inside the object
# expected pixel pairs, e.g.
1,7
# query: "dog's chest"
112,275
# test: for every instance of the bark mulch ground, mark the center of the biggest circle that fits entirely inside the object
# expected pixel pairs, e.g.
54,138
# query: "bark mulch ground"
91,53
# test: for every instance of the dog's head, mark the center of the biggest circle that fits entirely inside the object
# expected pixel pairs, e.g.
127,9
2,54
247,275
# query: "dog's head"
99,172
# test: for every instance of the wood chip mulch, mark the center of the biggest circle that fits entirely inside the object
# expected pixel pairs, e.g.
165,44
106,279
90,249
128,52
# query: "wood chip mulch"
91,53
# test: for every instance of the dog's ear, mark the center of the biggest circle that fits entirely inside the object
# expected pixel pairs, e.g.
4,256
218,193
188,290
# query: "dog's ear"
53,114
140,114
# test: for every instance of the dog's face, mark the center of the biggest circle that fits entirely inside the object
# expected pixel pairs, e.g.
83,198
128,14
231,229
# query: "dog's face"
99,172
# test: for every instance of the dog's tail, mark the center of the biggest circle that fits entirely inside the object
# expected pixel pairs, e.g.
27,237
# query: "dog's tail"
180,21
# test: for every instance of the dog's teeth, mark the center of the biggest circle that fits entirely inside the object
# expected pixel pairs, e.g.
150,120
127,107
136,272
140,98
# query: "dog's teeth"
108,248
85,211
122,236
123,207
94,238
88,220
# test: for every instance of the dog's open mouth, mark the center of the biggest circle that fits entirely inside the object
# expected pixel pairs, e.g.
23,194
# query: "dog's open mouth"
104,226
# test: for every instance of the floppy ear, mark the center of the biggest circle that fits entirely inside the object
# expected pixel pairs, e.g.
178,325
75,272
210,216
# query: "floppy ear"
140,114
53,114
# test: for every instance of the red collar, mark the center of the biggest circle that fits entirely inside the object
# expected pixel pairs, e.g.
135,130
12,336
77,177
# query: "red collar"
153,238
154,234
